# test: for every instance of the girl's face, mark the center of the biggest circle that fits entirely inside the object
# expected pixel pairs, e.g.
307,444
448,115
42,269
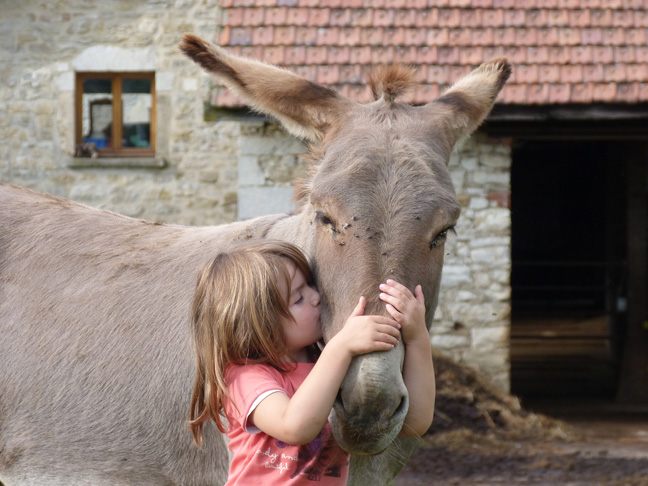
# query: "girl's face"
304,305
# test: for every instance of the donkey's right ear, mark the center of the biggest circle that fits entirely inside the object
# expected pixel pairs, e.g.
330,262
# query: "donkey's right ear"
306,109
467,103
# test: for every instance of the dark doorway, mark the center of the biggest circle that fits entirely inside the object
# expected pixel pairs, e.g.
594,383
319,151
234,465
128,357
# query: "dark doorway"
569,297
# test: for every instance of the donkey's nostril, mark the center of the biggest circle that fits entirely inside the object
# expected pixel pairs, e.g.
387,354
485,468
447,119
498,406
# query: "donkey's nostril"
402,407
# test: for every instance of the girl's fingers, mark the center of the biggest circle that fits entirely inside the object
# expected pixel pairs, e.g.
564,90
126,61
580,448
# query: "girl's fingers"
400,293
381,346
390,299
394,312
418,294
360,307
389,329
397,287
394,283
387,338
386,320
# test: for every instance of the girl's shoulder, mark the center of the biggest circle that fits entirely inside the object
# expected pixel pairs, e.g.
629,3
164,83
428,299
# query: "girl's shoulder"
251,368
260,371
234,372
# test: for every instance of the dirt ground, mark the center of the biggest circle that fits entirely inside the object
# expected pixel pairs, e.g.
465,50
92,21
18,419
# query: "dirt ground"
483,437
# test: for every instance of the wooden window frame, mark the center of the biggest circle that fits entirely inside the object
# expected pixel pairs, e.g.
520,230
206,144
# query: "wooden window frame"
117,123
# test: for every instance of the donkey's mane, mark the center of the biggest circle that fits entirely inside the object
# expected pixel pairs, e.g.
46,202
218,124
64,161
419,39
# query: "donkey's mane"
389,82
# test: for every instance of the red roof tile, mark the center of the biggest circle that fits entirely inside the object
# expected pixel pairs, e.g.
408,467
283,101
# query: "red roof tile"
562,51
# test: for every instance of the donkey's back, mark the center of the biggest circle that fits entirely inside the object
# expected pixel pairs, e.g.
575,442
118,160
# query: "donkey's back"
95,353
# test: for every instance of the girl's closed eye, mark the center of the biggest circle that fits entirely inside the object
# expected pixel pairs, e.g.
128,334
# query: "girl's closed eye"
299,299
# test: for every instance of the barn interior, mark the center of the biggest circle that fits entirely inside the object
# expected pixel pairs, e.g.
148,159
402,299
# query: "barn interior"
578,249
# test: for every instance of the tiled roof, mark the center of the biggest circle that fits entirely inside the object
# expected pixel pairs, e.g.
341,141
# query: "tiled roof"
562,51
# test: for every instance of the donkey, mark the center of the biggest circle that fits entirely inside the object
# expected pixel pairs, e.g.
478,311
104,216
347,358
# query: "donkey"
95,353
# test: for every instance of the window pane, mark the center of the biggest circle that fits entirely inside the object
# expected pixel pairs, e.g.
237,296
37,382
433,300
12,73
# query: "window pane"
136,108
97,112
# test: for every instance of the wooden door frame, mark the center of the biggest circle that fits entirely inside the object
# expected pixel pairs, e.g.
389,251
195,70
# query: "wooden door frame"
633,380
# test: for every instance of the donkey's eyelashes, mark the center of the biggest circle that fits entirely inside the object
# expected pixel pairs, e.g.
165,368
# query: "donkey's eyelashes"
440,238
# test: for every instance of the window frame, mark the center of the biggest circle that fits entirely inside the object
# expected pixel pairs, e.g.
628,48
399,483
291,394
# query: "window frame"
116,79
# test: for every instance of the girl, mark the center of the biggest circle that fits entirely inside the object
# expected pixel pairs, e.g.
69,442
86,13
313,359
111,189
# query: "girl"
256,322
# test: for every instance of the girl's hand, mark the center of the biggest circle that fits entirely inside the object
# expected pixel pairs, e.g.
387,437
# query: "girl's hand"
365,334
407,309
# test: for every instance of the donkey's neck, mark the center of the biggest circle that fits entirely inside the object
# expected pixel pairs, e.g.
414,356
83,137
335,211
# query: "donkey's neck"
296,229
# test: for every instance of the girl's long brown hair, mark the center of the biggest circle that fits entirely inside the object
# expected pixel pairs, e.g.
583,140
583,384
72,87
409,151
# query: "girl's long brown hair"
236,310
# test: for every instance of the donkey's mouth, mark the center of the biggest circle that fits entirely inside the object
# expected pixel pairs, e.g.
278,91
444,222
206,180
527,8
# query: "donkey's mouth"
365,433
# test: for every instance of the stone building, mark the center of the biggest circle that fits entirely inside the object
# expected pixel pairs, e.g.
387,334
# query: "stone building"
545,281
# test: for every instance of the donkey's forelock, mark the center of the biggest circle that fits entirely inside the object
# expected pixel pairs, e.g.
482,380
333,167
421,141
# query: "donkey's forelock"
389,82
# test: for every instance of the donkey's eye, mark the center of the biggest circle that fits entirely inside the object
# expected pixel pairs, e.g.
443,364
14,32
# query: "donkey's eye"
442,237
324,219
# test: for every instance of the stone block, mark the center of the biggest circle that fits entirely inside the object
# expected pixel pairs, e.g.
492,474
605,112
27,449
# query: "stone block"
115,58
249,171
164,80
450,341
501,293
455,275
478,315
465,296
259,201
190,84
482,278
209,175
281,169
496,160
489,338
470,163
483,177
259,145
478,203
493,220
65,81
476,191
491,254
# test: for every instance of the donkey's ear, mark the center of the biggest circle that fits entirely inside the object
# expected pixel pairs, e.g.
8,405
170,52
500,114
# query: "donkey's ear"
469,101
306,109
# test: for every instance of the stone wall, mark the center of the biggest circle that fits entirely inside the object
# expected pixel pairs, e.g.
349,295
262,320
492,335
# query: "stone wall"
211,172
472,321
193,177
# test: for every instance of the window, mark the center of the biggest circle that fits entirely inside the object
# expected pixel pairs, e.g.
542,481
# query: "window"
115,114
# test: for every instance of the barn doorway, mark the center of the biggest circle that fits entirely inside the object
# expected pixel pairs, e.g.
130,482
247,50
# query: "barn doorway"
569,274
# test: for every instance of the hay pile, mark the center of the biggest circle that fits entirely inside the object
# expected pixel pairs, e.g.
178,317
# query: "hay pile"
467,403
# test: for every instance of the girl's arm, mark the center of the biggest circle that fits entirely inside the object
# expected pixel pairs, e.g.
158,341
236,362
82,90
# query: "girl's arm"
418,369
299,419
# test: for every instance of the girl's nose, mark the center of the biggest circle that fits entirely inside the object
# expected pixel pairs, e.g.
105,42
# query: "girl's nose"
316,298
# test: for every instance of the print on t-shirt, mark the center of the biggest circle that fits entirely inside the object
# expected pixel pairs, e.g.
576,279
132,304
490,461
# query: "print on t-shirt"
318,458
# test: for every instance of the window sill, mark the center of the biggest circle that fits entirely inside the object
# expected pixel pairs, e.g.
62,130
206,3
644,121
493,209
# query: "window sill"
116,163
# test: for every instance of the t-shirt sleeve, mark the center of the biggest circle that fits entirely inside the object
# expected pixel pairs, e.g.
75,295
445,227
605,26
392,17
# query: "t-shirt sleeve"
248,386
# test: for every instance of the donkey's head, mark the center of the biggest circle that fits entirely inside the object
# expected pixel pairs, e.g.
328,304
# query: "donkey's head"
378,204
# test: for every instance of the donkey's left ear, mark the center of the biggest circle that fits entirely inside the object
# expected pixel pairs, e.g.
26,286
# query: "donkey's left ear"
306,109
469,101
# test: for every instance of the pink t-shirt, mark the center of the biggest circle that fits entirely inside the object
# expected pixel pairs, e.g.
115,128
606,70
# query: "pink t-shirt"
259,459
